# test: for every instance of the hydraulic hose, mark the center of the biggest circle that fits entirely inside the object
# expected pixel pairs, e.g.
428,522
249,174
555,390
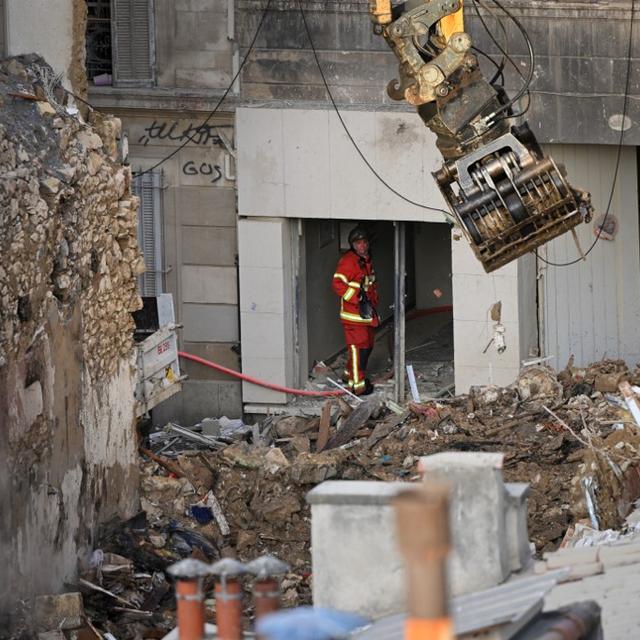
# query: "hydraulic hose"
256,381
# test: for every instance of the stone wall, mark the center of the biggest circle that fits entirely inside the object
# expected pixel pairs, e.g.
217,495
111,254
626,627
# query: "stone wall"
68,265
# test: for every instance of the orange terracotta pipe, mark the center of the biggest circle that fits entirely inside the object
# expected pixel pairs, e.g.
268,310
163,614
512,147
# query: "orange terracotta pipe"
228,593
190,608
266,597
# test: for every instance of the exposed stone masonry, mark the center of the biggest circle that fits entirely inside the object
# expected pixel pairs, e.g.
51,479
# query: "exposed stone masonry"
67,221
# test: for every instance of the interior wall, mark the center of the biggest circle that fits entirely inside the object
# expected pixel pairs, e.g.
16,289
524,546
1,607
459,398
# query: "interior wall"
432,243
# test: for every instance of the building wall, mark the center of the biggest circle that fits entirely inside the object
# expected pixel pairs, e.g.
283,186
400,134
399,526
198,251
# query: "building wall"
193,49
68,265
58,38
300,163
580,69
592,308
200,245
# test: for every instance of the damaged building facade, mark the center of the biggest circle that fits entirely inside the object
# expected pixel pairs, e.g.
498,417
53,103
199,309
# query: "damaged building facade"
68,287
257,272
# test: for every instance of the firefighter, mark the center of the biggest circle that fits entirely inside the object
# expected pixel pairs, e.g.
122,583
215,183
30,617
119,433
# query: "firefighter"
355,282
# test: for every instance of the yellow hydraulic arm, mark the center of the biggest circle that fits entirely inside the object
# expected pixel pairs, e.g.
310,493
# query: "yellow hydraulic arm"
506,195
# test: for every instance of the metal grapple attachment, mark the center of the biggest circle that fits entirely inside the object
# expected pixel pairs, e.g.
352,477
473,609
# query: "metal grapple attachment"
509,198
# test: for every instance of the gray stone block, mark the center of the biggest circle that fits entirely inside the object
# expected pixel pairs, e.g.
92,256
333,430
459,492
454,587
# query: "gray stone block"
356,564
480,556
517,532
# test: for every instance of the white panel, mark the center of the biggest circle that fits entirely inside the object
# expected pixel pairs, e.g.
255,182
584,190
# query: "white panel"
353,186
307,187
260,243
591,309
260,162
261,290
477,294
301,163
406,154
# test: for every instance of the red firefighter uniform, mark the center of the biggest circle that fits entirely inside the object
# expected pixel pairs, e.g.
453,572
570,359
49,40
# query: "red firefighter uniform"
353,274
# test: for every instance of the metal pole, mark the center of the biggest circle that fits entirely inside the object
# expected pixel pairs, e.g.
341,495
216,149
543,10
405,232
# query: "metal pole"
399,312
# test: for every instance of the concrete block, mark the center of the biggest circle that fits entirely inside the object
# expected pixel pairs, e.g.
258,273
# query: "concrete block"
516,525
62,612
211,246
259,140
271,369
475,298
621,561
261,242
610,552
467,376
199,399
306,191
209,284
230,399
356,565
207,206
571,557
472,337
261,290
480,556
579,571
263,335
210,322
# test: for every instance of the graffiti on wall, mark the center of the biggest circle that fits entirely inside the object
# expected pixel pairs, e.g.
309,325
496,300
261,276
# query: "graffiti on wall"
175,131
206,169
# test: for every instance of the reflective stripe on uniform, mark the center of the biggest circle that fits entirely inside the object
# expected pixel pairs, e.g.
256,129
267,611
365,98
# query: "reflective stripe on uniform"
359,385
354,364
348,294
353,284
352,317
341,277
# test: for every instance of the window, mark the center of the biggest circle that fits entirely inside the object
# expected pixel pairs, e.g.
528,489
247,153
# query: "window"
120,42
148,187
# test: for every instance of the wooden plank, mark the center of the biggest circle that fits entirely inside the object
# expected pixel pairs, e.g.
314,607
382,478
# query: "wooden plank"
323,430
352,424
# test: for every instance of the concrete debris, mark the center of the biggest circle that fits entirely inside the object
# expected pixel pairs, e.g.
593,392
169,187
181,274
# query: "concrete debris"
549,436
59,613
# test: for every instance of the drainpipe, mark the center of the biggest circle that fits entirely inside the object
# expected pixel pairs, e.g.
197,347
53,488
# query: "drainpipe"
228,592
266,589
189,574
422,523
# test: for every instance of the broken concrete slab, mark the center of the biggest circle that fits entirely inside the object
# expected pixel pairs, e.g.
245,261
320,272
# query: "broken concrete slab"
60,612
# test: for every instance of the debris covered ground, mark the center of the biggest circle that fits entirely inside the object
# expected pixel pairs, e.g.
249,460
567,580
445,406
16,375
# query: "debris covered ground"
222,488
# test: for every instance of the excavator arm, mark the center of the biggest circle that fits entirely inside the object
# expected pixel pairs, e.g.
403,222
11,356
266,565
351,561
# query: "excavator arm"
506,195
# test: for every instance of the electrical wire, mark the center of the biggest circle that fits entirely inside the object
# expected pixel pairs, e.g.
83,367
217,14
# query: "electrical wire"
619,154
220,101
500,68
503,50
448,215
524,89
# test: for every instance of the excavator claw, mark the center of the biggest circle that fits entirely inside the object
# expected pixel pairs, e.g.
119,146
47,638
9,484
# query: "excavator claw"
506,195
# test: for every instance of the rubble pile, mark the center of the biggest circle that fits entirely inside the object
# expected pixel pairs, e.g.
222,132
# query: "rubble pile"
239,491
68,218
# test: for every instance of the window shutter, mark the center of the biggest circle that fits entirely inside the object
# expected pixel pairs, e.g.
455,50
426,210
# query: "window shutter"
148,188
133,42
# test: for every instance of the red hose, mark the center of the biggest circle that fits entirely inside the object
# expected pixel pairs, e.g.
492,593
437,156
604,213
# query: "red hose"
260,383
